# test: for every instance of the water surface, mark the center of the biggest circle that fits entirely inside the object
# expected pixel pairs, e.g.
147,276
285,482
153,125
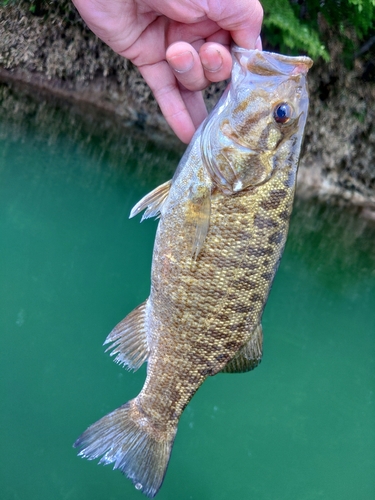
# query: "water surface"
300,426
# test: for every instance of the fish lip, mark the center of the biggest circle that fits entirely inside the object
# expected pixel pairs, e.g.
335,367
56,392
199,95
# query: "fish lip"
288,65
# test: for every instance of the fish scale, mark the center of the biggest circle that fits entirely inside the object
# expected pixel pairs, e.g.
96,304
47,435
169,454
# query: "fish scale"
211,321
224,220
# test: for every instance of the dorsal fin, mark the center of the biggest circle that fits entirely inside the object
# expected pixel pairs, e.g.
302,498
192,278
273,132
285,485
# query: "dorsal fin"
129,339
152,202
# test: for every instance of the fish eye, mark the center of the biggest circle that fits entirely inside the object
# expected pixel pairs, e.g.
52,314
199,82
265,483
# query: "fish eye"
282,113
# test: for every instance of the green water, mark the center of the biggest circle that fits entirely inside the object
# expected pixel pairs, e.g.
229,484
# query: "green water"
300,427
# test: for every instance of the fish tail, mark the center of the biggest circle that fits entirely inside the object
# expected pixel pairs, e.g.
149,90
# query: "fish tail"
124,438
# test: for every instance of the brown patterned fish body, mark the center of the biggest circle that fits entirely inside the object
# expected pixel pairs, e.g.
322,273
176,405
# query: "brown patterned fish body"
223,225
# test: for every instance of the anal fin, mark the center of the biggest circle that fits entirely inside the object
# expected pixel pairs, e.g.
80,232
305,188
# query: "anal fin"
152,202
129,339
249,356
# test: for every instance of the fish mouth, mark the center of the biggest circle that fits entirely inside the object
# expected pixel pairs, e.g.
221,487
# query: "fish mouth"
271,64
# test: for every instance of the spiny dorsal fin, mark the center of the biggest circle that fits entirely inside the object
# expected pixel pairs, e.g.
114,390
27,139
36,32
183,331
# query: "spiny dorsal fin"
249,356
152,202
129,339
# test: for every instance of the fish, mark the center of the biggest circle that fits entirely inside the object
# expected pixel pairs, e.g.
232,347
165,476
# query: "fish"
223,223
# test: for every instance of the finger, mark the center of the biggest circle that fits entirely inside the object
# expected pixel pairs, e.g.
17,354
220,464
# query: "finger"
186,66
216,61
166,90
195,105
242,18
220,36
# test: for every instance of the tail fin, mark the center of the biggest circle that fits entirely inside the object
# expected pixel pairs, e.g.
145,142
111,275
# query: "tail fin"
119,439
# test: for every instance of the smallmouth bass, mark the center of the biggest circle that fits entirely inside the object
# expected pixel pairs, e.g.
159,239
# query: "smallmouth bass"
223,225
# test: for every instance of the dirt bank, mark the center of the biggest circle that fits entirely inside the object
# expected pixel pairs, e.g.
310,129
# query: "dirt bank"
55,52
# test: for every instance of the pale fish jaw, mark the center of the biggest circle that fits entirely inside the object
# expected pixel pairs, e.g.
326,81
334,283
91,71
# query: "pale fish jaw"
271,63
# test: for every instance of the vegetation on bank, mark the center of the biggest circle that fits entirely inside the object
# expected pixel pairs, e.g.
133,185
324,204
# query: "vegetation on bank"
292,26
308,25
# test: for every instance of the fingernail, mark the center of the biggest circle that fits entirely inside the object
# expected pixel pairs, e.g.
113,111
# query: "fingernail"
212,63
183,62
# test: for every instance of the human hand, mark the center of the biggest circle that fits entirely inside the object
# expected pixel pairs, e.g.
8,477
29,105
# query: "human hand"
179,46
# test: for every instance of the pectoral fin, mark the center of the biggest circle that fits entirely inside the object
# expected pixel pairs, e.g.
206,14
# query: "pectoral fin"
199,215
249,356
129,339
152,202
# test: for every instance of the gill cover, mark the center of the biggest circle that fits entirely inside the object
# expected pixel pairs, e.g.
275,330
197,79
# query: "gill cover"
265,104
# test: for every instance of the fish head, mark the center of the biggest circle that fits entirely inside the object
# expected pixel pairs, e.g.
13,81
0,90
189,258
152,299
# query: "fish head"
258,124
